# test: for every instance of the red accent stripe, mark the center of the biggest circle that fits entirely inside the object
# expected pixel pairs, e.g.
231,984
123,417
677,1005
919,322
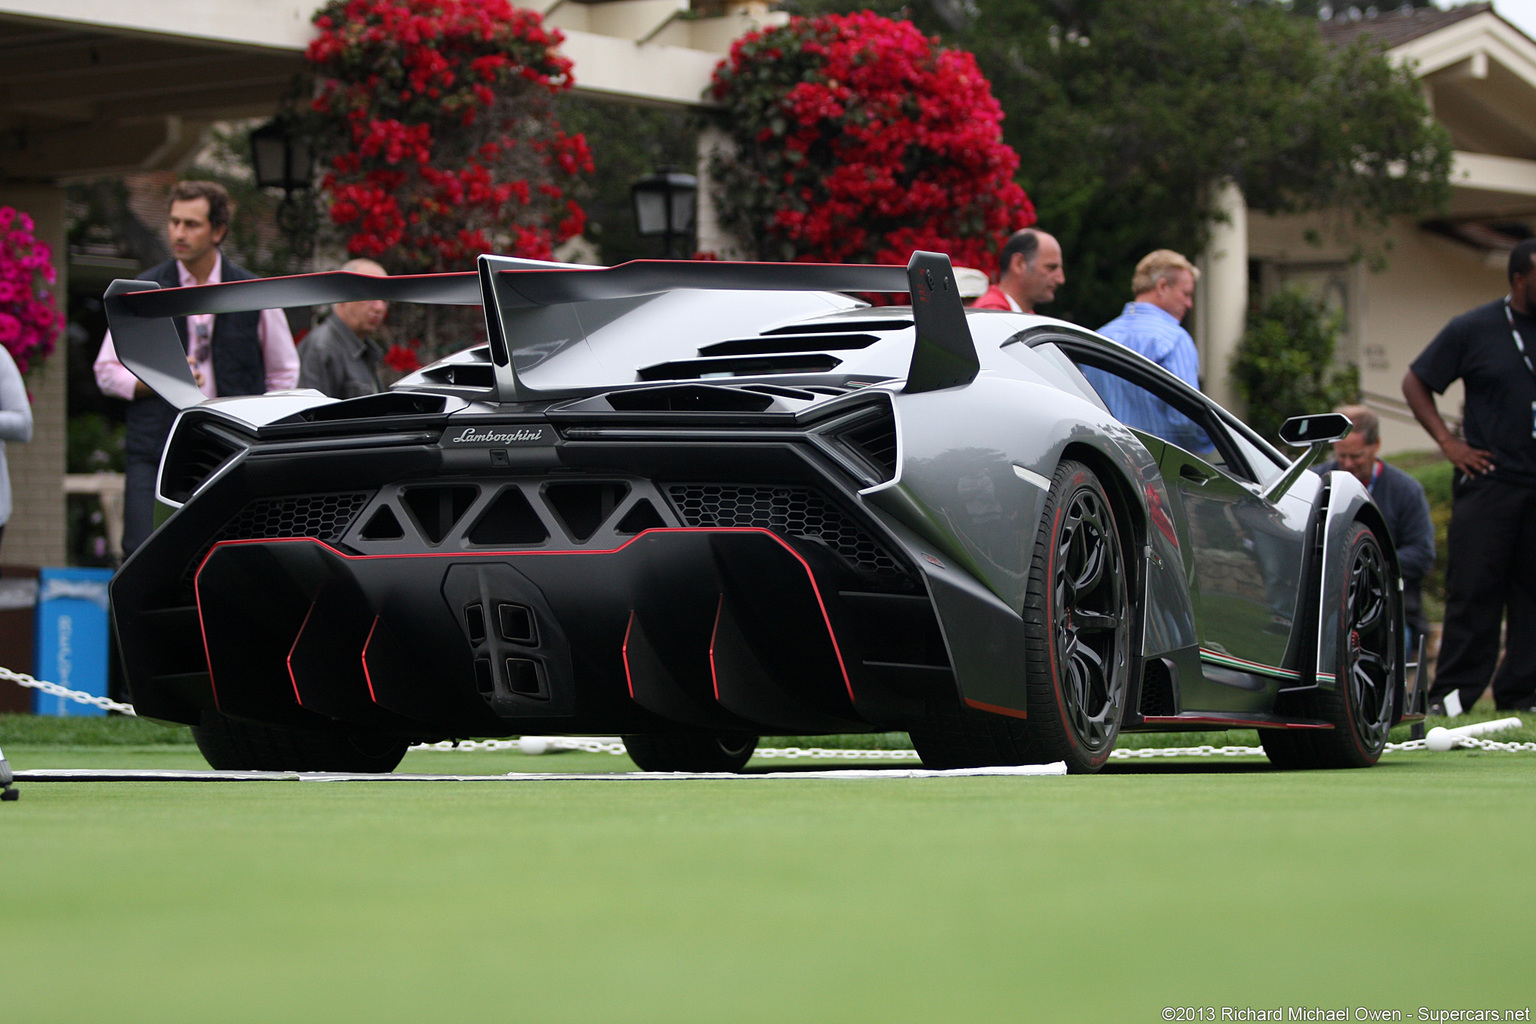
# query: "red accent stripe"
997,709
288,661
629,680
491,553
714,677
366,677
197,596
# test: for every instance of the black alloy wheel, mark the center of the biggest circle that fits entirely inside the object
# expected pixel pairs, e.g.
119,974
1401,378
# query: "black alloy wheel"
691,752
1077,633
235,744
1077,703
1360,704
1368,645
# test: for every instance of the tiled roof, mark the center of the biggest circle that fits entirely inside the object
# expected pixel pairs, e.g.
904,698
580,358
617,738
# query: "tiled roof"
1394,26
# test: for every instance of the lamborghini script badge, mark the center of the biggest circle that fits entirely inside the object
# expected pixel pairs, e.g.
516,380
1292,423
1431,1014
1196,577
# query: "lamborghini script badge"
500,436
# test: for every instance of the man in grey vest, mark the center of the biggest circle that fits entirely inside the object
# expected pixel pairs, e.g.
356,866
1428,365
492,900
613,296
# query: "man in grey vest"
230,353
339,358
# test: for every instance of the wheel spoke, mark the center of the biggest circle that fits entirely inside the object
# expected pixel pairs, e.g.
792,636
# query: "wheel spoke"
1096,622
1369,640
1088,703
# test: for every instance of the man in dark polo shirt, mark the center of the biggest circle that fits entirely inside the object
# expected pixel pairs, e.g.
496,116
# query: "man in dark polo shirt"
1491,572
230,353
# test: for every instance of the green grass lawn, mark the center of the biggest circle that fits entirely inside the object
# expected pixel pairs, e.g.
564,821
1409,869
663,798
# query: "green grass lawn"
1156,883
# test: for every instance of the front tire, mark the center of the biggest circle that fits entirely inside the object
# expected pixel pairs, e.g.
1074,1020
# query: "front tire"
1360,705
1077,633
235,744
691,752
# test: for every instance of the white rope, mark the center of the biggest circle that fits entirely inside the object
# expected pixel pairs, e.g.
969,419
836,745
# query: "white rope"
1466,737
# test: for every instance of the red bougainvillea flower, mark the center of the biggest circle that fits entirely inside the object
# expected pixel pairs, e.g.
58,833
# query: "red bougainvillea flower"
858,139
436,131
403,358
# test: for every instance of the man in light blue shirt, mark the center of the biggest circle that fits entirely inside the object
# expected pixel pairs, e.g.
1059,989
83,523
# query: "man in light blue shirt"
1164,287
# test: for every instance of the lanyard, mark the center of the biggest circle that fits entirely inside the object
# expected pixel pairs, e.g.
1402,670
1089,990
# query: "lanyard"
1520,344
1519,341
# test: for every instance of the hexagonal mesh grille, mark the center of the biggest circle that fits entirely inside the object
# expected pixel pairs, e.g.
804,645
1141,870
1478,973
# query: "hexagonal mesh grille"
324,516
790,511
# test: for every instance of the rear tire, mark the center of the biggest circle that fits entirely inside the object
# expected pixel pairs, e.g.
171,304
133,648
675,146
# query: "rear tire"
1360,705
691,751
1077,633
234,744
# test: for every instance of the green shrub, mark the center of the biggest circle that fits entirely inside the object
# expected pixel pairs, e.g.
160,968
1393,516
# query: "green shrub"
1284,365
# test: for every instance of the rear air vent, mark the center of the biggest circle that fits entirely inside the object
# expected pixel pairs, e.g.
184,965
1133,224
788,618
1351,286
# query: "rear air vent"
437,509
798,394
383,525
508,521
788,511
321,516
689,398
195,456
583,507
873,439
841,327
463,375
740,366
788,343
642,516
389,403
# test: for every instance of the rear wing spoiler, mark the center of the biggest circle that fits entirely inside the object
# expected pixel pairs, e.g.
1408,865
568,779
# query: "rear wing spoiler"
142,314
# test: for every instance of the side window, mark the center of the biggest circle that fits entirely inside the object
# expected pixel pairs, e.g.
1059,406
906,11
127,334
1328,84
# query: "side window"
1145,410
1265,468
1147,399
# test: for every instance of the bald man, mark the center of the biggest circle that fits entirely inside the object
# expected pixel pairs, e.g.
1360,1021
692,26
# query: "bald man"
1029,272
340,358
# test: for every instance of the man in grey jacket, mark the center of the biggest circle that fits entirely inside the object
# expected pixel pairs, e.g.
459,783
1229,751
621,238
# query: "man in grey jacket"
339,357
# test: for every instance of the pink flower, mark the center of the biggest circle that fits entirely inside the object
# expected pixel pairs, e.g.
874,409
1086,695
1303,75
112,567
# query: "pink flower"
29,319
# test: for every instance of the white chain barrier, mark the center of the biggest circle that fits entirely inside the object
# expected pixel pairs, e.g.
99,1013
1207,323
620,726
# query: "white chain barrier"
1466,737
55,690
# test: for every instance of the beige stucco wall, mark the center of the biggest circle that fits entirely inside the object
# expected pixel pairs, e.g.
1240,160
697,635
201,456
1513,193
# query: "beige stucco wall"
1394,312
35,534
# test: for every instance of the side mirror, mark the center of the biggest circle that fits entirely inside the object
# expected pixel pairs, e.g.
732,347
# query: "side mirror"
1311,433
1300,431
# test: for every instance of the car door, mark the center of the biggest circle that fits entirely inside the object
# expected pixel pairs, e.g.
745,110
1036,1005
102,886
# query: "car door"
1243,554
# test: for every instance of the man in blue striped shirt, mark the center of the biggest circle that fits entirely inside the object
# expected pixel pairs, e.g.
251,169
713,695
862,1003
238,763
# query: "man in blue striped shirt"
1164,287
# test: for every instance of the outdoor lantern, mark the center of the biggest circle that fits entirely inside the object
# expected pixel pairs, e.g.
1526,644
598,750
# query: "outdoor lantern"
280,158
665,204
283,159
